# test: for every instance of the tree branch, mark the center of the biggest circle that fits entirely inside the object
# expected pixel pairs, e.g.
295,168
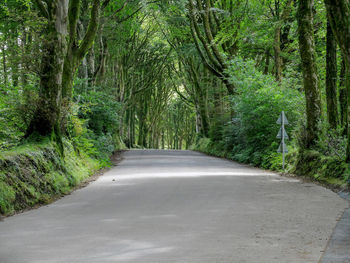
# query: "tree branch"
201,38
92,29
42,8
73,16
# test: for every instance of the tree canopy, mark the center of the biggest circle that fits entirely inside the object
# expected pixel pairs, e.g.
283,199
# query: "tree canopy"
212,75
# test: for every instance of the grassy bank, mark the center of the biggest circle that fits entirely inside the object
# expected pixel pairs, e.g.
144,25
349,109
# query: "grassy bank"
330,171
36,173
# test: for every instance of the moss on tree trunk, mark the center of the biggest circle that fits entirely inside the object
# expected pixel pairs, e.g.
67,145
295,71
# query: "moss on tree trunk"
310,76
47,116
331,79
338,12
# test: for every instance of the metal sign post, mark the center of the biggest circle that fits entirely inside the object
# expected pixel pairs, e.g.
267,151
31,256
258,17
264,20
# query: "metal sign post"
283,136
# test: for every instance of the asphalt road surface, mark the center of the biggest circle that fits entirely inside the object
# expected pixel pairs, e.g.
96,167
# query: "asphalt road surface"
178,207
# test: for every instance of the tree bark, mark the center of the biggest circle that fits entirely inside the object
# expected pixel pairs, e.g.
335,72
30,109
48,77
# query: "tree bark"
14,58
338,12
200,101
76,52
343,95
62,56
47,117
24,47
91,64
277,38
4,65
277,49
211,56
331,79
310,76
267,61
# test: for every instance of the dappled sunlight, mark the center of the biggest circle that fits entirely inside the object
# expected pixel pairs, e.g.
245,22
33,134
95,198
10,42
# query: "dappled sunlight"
121,177
126,250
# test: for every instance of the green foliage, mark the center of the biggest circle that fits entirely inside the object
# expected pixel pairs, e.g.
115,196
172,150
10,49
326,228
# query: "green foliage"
93,123
332,142
16,109
260,100
100,110
7,196
203,145
327,169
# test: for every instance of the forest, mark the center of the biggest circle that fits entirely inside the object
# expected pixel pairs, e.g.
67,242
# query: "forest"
82,79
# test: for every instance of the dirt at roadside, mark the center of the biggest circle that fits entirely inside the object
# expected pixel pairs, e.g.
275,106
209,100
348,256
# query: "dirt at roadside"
116,158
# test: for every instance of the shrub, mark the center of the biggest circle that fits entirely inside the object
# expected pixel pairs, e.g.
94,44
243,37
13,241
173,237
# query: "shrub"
257,106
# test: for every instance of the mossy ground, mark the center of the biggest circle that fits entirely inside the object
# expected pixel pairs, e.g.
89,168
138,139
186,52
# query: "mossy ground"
329,171
36,173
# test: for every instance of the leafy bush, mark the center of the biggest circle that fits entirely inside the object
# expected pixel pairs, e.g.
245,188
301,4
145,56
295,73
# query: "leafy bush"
260,100
17,106
93,123
100,110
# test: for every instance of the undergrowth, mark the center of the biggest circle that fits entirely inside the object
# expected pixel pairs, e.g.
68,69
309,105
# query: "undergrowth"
329,170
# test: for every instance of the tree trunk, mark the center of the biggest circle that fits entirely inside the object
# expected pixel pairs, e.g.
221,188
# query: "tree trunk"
210,53
310,77
83,70
200,100
91,64
338,12
331,79
347,88
47,116
277,49
62,55
267,61
24,46
203,111
14,59
277,39
343,95
4,65
70,67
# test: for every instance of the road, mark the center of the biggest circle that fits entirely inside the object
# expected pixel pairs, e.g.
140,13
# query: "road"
178,207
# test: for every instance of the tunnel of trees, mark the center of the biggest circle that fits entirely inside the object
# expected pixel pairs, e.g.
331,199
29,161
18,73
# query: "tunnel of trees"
96,76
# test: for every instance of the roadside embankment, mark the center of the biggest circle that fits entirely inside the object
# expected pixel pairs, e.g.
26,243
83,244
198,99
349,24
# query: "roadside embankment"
329,171
37,173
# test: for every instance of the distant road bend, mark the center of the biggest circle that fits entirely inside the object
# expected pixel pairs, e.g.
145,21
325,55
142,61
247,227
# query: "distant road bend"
178,207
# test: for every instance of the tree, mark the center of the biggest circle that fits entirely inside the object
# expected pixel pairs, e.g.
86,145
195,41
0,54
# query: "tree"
205,42
338,12
331,79
310,75
281,19
61,57
48,113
